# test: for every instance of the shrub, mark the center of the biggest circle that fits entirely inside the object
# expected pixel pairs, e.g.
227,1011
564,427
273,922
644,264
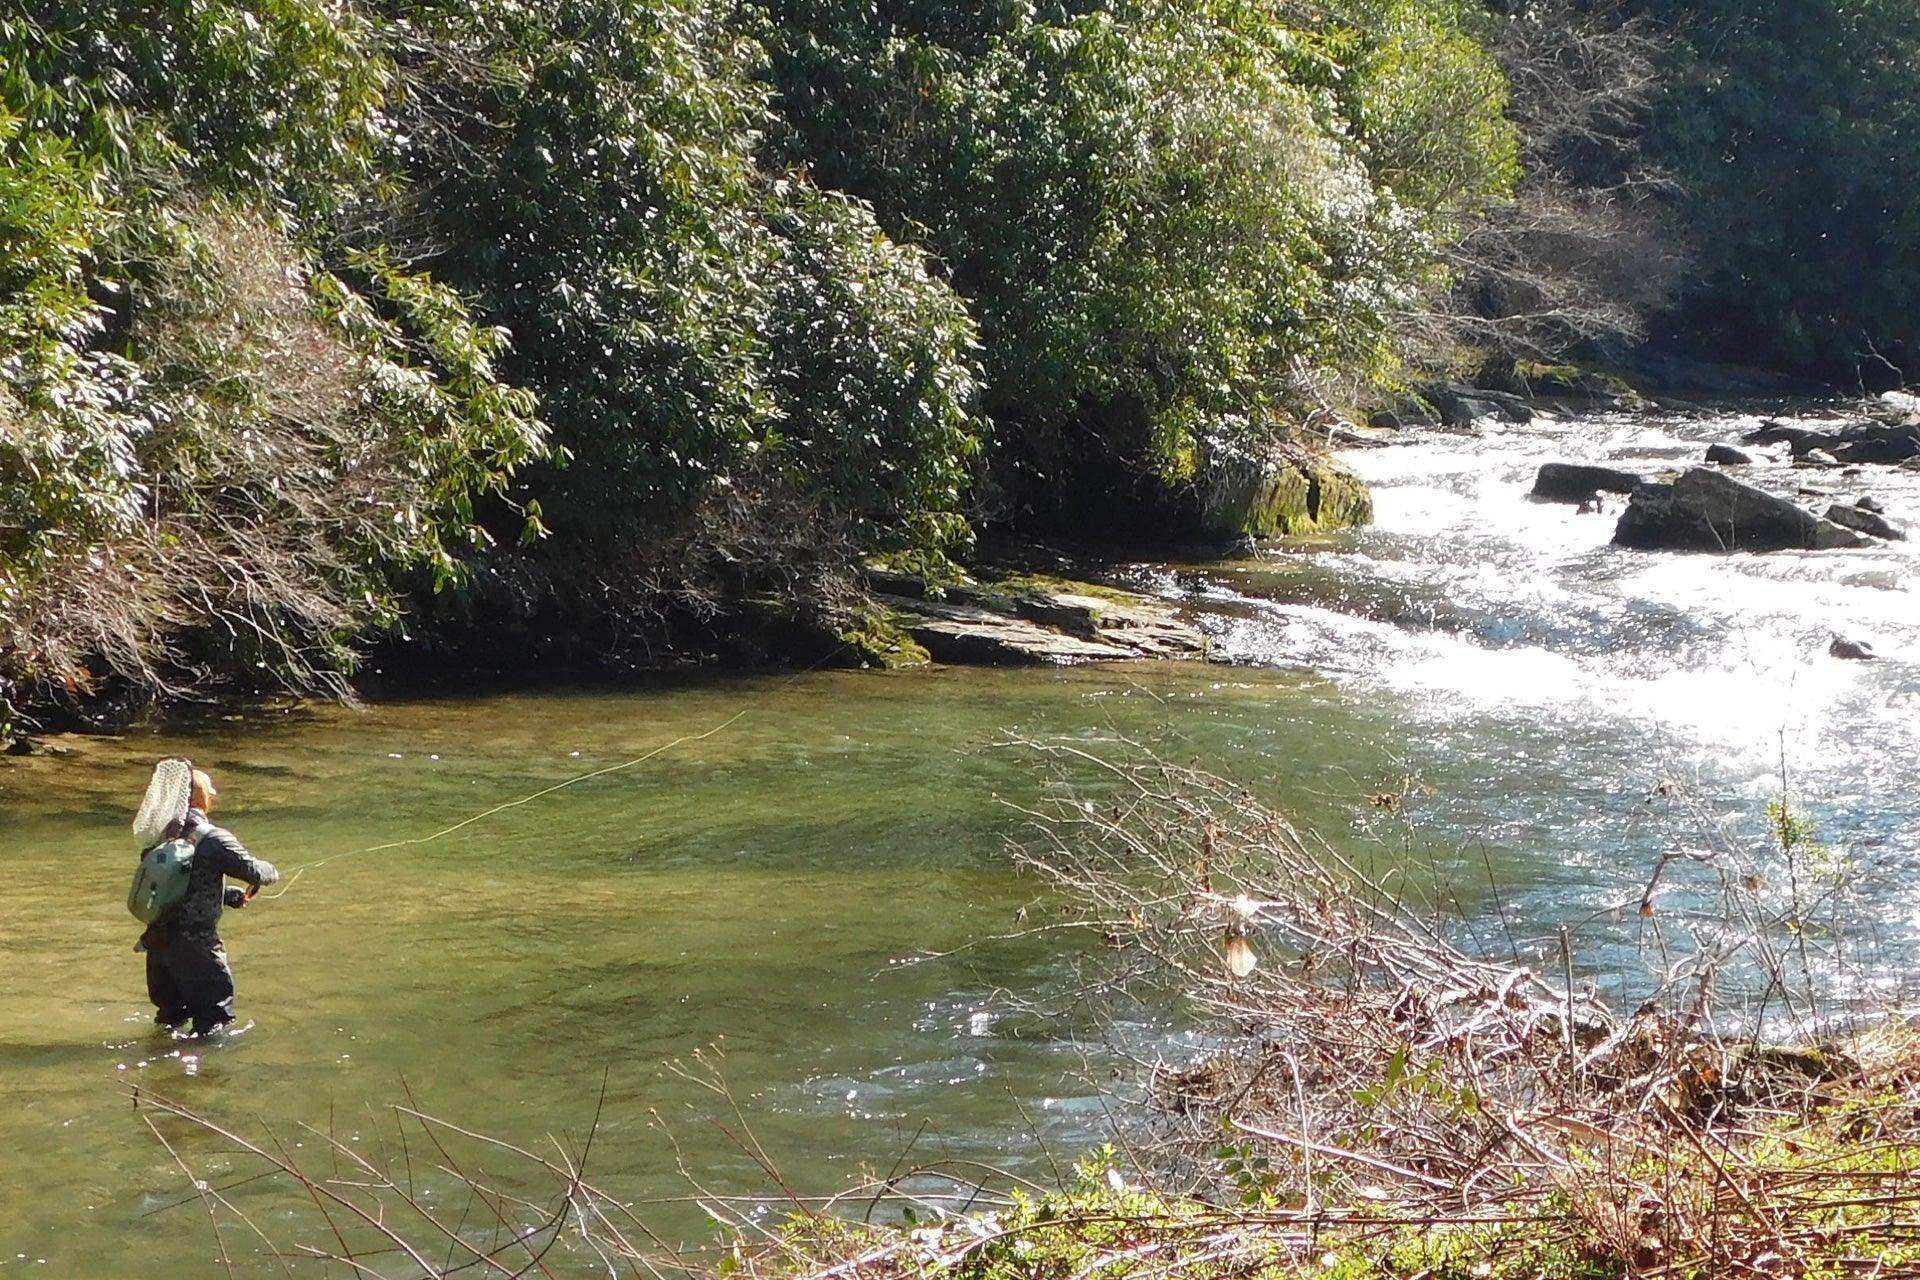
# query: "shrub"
225,430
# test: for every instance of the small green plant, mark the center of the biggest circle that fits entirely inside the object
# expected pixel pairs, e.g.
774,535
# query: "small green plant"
1799,840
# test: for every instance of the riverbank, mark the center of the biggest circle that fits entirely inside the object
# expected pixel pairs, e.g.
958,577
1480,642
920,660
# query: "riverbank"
1823,1190
1798,473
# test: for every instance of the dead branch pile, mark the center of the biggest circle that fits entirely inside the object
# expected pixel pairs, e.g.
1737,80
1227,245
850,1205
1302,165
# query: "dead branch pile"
1365,1058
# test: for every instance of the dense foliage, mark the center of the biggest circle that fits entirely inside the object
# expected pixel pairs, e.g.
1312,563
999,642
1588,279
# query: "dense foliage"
1183,226
317,312
1793,129
223,424
259,264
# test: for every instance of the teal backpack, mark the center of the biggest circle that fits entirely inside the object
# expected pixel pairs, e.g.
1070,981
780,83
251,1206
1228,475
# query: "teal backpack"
160,881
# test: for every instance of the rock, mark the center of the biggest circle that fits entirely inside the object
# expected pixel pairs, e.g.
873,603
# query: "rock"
1864,521
1855,650
1025,622
1572,382
1727,456
1774,432
968,634
1869,503
1578,482
1708,510
1146,627
1882,445
1295,492
885,579
1901,408
27,746
1408,414
1463,406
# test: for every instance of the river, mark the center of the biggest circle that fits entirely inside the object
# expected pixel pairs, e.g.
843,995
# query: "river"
759,894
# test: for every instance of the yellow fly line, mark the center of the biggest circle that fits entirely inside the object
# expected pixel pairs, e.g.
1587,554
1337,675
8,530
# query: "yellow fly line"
305,867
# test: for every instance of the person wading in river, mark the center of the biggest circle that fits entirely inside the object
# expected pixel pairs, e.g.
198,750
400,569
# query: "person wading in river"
187,973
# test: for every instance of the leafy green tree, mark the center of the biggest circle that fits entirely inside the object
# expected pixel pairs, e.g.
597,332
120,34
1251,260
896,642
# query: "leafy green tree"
692,326
226,423
1183,227
874,372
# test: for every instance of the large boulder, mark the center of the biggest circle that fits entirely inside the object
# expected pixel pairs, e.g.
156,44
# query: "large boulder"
1579,482
1462,406
1708,510
1880,444
1294,492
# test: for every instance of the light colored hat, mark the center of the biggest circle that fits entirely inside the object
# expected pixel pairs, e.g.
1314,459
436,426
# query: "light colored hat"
165,803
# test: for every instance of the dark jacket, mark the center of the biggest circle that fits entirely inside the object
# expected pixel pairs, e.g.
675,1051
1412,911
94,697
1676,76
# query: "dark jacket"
216,855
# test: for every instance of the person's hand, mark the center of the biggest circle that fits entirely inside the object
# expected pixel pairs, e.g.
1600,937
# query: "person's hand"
236,897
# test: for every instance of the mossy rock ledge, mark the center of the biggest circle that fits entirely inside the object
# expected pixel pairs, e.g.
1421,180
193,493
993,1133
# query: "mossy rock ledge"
1292,493
1029,620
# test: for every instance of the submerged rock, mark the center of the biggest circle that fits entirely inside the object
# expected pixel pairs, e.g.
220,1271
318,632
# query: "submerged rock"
1863,520
1708,510
1579,482
1727,456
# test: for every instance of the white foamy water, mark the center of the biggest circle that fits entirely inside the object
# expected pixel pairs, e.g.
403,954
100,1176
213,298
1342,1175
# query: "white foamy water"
1542,681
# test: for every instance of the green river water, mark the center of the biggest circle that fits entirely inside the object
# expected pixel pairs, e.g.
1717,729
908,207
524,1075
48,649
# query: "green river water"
755,890
761,890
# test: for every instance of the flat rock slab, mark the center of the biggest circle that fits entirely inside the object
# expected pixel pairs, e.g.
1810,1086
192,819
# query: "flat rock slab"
1034,626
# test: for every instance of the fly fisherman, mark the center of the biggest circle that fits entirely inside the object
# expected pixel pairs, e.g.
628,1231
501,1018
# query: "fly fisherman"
187,973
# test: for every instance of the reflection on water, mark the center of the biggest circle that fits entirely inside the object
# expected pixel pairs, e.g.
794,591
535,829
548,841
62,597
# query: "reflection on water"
760,888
